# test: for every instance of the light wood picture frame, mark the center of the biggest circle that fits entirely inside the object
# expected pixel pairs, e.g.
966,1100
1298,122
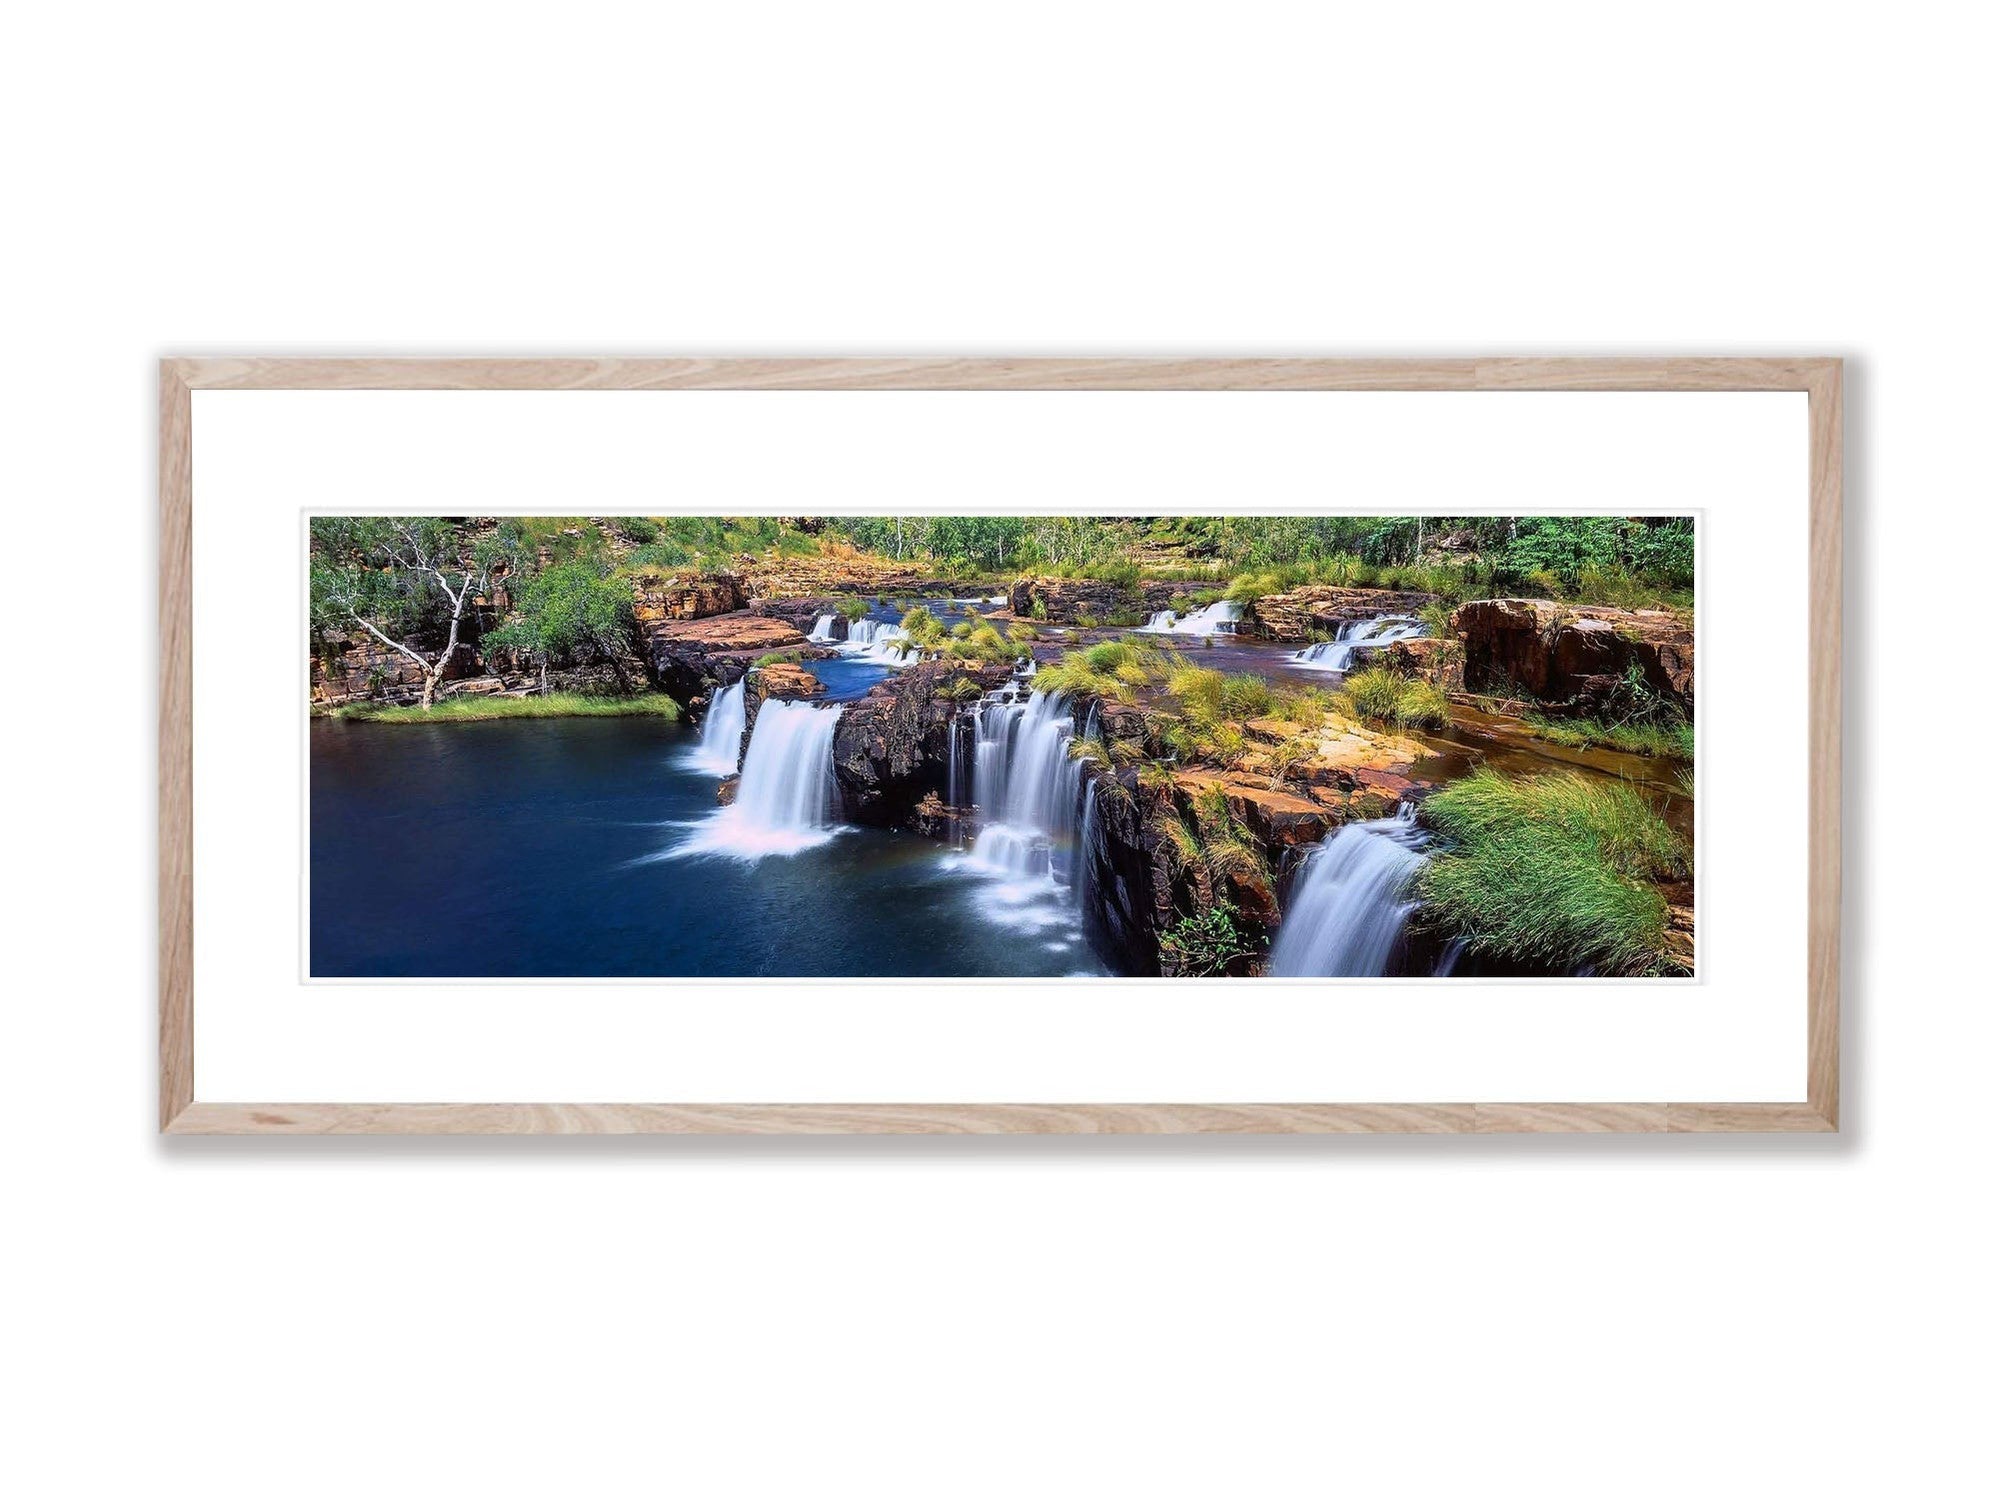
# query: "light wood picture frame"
183,1111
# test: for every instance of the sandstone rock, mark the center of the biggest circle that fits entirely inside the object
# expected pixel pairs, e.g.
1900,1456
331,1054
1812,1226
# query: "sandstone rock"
1065,600
1321,607
782,681
1440,662
1575,657
689,657
655,599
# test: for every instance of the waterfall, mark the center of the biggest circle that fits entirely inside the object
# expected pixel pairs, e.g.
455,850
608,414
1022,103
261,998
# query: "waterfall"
1219,618
873,641
788,798
822,628
1337,654
1025,785
721,733
1350,900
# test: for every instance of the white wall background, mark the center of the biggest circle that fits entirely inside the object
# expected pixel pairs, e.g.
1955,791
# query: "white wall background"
989,1317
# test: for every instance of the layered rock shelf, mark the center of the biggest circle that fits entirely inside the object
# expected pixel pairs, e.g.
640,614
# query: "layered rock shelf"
1320,609
1575,657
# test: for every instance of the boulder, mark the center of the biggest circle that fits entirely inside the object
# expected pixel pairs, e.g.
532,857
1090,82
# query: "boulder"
1322,608
1575,658
892,748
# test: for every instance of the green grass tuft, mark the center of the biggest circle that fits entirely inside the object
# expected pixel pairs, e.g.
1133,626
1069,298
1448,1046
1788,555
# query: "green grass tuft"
1552,870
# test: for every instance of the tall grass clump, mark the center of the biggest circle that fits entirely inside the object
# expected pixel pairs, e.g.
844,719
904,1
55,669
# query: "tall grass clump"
1555,871
1386,697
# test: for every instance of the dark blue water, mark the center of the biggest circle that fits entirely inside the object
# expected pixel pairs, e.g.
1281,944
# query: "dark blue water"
542,849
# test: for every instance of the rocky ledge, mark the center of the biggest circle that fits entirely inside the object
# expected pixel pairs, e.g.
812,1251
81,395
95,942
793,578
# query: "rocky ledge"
690,658
656,598
1064,601
1320,608
1575,658
1135,886
893,747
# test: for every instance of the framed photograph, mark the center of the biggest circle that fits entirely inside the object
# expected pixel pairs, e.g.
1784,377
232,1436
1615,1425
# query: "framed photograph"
994,745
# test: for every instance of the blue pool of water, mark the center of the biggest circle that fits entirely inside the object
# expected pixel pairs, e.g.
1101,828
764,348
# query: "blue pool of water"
545,849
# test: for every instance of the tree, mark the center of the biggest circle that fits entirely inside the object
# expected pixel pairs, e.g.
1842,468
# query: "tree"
399,578
571,612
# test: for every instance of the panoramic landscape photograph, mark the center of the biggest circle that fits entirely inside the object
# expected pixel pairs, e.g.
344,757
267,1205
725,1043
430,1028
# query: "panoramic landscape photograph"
1188,746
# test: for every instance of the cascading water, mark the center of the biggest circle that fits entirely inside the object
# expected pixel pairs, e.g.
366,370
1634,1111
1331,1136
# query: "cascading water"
877,643
1028,791
1350,901
1025,784
787,798
822,628
1357,634
1219,618
721,733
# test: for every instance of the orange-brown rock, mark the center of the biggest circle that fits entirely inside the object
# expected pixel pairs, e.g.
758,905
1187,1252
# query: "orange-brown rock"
1577,657
1320,608
690,657
784,681
656,599
1441,662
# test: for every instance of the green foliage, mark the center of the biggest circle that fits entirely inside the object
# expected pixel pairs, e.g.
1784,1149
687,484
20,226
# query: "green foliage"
1245,695
1376,693
571,612
473,709
638,529
1386,696
982,643
1553,870
1672,741
925,630
1206,944
851,609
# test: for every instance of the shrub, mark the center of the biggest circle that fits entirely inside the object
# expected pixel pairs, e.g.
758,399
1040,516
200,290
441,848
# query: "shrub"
852,609
1206,944
1555,871
637,528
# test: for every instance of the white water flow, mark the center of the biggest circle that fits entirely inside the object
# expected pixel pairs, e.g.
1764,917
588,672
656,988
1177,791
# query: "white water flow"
1027,791
875,642
1351,900
787,799
1219,618
721,733
822,628
1337,654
